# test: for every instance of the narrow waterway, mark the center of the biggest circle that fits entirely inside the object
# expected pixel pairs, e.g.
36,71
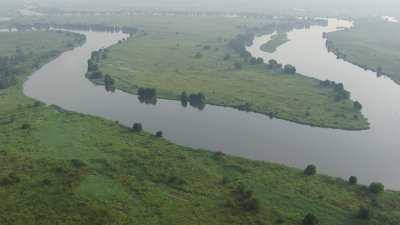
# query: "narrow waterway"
371,155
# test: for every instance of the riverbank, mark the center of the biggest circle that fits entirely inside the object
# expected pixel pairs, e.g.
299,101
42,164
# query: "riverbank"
276,41
368,46
201,61
58,164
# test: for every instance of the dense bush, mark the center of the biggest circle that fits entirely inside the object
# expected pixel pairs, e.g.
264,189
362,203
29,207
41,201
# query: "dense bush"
310,170
137,127
353,180
364,213
376,188
310,219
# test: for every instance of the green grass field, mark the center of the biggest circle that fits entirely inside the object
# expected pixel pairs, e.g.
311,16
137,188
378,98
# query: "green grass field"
372,43
276,41
65,168
164,59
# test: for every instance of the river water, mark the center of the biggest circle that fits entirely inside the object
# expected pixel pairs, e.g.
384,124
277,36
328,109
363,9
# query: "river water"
372,155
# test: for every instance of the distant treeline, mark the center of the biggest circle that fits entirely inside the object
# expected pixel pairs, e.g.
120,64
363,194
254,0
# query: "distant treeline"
79,27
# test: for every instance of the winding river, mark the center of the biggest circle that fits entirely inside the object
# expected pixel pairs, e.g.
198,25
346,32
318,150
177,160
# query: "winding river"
372,155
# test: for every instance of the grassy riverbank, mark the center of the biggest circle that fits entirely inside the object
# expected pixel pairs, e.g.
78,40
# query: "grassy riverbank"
276,41
173,60
66,168
371,44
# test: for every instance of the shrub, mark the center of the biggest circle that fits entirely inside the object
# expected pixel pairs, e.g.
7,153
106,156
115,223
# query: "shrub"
376,188
289,69
310,170
353,180
310,219
137,127
25,126
364,213
159,134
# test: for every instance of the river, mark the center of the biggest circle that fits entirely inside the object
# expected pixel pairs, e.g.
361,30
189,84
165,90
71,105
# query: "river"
371,155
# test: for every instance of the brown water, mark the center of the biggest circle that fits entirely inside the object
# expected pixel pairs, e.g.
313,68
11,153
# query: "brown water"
371,155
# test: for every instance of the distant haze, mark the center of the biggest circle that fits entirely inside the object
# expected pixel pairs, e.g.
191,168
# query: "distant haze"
370,6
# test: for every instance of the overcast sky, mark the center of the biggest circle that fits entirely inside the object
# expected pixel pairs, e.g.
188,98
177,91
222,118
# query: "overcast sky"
390,6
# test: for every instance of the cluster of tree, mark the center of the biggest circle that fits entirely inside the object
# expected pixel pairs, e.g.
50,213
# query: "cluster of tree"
255,61
10,179
244,200
287,69
239,43
147,95
196,100
332,48
76,26
341,93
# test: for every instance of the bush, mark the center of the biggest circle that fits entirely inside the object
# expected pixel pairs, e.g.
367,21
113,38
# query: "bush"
364,213
376,188
310,219
137,127
159,134
353,180
310,170
289,69
25,126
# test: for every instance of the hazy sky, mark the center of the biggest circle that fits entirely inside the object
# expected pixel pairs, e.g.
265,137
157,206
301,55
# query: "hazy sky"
391,6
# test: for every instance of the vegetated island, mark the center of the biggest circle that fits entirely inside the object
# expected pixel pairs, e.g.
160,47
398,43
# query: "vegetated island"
277,40
61,167
372,44
181,61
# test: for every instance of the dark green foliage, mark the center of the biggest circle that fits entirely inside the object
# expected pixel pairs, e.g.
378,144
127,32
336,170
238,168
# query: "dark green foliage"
184,99
310,170
364,213
137,127
289,69
243,199
260,60
25,126
227,56
310,219
197,100
237,66
198,55
376,187
357,105
159,134
353,180
274,65
11,179
147,95
253,61
341,93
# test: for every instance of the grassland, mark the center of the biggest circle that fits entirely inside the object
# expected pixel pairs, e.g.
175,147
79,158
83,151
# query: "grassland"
164,58
59,167
371,44
276,41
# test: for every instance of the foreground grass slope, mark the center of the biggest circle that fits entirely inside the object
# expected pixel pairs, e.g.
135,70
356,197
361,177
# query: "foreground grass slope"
197,59
371,44
59,167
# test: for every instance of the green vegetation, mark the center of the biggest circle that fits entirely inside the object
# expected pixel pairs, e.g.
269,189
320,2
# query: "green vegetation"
178,58
372,44
60,167
276,41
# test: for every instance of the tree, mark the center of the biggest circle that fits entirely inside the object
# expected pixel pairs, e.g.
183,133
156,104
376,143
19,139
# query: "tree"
227,56
253,61
184,99
137,127
353,180
376,187
260,60
237,66
310,219
198,55
357,105
289,69
310,170
159,134
364,213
